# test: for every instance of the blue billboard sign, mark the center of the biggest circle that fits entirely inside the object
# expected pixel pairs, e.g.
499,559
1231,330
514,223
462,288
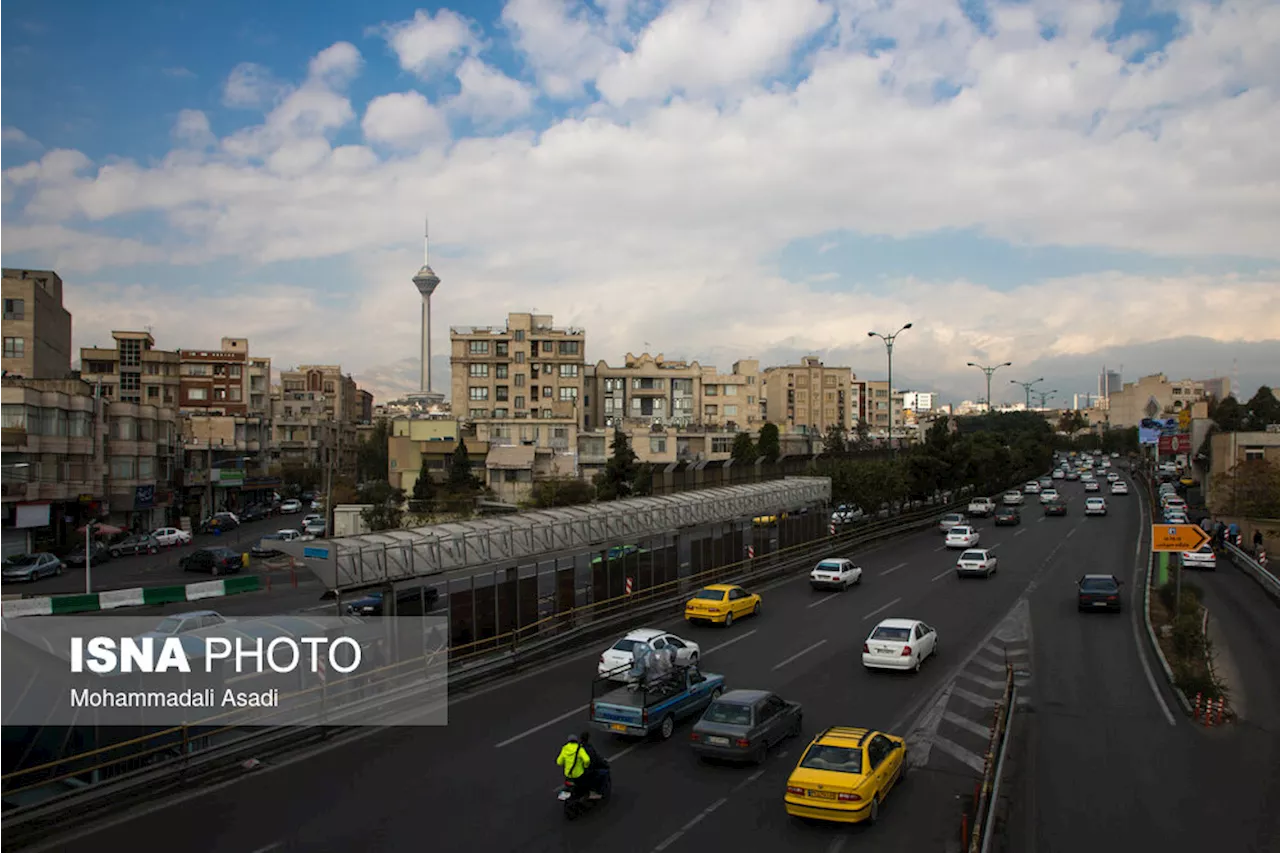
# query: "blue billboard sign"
1150,430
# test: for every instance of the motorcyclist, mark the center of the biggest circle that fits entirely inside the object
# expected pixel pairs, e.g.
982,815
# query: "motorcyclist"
598,767
574,760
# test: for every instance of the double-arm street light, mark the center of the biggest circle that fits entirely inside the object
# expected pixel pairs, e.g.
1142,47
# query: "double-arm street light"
888,346
1026,386
1045,395
990,370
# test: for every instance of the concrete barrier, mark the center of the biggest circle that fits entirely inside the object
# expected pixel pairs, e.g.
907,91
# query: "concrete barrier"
62,605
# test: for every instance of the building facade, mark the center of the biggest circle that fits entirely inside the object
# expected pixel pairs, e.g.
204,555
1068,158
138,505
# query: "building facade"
1153,396
133,371
1109,382
314,420
654,391
810,397
37,328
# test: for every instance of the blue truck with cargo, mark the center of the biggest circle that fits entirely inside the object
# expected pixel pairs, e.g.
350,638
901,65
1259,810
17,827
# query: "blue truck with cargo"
652,706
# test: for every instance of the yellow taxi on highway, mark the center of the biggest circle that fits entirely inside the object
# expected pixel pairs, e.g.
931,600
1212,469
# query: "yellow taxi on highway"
845,774
721,603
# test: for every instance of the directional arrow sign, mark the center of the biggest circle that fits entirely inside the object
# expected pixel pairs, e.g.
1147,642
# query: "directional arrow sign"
1177,537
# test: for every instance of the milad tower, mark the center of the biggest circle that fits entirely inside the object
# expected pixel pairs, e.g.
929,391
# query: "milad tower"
426,281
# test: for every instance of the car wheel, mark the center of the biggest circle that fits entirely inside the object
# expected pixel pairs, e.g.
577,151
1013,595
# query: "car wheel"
728,619
693,659
153,550
668,727
57,571
875,810
115,555
214,571
919,664
755,611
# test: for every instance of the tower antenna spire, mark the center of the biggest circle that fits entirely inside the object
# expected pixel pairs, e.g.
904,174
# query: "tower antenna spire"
426,241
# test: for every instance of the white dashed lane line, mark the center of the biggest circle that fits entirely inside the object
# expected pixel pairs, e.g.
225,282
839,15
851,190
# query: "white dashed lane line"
894,569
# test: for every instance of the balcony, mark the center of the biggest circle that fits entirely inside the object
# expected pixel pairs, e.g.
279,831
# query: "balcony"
17,490
13,438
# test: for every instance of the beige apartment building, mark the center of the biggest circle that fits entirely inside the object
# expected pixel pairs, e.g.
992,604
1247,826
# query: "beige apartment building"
1155,396
314,419
810,397
652,391
37,329
133,371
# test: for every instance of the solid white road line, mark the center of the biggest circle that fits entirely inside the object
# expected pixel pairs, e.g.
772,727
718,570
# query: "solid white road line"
1020,532
539,728
894,569
1135,609
1070,533
879,610
823,600
942,575
799,654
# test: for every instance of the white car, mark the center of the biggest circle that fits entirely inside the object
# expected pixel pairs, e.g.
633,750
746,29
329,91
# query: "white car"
976,562
1091,486
1013,499
962,536
1031,488
1095,506
899,644
172,536
1201,558
616,660
1119,488
835,573
845,514
1048,496
1059,474
1086,477
981,507
949,521
312,518
289,507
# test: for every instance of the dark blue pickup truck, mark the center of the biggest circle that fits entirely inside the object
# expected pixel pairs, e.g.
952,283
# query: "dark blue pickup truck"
640,710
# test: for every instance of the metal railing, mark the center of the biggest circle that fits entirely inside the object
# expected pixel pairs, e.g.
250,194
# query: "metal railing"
980,837
1251,567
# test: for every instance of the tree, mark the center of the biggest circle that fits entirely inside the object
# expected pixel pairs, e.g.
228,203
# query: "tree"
385,502
373,454
1263,409
1251,489
424,488
619,474
460,477
561,491
300,478
769,445
743,451
833,441
1071,422
1229,415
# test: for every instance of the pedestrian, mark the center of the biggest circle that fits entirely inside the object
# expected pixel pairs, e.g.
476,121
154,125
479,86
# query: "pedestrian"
1257,541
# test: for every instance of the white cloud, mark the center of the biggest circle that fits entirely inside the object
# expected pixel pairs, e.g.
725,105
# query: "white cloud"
14,136
404,120
489,95
428,43
250,86
192,128
641,225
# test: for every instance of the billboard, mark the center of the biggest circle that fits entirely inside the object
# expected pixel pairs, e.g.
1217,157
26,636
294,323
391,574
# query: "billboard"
1150,430
1170,444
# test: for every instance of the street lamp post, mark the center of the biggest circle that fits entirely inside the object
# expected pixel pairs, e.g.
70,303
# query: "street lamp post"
1026,387
988,370
888,346
1045,395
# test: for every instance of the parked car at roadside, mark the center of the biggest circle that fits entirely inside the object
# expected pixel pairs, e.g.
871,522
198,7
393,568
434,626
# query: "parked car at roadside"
172,536
137,543
215,561
31,567
99,553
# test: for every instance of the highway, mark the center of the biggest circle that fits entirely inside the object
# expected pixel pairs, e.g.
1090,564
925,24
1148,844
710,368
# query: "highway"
487,782
1106,759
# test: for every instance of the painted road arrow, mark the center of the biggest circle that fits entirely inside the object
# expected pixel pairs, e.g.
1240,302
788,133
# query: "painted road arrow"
1177,537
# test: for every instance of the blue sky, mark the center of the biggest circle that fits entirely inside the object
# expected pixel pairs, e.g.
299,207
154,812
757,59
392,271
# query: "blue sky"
1055,193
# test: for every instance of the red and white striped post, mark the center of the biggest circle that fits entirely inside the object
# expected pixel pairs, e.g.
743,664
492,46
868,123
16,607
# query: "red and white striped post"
1221,708
831,528
751,552
628,586
1195,714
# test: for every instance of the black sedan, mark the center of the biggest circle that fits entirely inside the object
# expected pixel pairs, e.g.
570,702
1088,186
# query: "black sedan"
138,543
100,553
1007,515
1055,508
221,522
409,602
1098,592
741,725
215,561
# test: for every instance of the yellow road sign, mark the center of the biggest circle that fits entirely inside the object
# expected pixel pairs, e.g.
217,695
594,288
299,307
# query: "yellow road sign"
1177,537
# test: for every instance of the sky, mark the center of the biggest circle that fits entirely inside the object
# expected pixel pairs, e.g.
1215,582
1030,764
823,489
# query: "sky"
1063,184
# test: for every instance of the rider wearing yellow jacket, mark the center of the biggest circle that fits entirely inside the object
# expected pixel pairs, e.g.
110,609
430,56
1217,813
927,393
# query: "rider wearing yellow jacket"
573,759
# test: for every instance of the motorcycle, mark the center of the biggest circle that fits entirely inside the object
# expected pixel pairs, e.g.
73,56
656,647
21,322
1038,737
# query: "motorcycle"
578,798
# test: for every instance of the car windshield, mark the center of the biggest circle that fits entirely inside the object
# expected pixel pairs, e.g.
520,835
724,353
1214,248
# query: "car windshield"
728,714
833,565
954,517
169,626
973,555
841,759
273,536
892,635
960,531
222,552
1094,501
710,594
626,645
1098,585
23,560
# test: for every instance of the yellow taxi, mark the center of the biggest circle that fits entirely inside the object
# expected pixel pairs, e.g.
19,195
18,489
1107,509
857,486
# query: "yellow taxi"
721,603
845,774
766,520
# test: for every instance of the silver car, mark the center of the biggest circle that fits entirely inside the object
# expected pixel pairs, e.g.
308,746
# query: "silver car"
741,725
951,520
31,567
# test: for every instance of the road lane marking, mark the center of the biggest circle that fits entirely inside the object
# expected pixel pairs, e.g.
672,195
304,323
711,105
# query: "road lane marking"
747,781
799,654
1070,533
894,569
1020,532
838,844
940,548
879,610
675,836
1133,621
942,575
539,728
728,643
822,600
959,753
967,724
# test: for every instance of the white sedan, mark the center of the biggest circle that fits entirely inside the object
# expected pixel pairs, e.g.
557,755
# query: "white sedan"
962,536
899,644
1119,487
1091,486
835,573
1095,506
1048,496
617,659
976,562
1013,499
1031,488
172,536
1201,558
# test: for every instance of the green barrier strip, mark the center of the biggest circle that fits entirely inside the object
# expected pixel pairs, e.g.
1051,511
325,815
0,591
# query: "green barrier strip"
163,594
242,583
74,604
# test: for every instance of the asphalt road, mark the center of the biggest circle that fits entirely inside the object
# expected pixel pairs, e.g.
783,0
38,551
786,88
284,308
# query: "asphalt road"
487,782
1105,759
156,569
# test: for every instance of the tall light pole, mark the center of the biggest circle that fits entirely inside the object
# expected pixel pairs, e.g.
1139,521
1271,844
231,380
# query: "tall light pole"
1026,386
888,346
1045,395
988,371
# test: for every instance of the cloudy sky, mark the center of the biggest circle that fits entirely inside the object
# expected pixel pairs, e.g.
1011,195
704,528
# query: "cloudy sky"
1056,183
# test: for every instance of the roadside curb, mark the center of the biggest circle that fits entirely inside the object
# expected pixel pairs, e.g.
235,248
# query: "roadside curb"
62,605
1151,633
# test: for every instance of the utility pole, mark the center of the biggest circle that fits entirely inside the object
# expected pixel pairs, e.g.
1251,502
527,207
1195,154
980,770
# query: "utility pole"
208,474
888,346
1026,387
1045,395
988,371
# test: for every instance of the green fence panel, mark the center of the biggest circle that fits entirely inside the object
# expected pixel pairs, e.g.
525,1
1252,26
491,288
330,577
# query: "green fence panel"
75,604
247,583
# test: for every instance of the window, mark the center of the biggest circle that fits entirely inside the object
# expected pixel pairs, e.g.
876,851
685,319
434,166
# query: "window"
198,394
219,393
568,371
501,392
721,444
79,425
731,390
479,413
478,347
549,370
125,429
479,393
235,393
569,347
500,348
568,393
519,336
658,445
153,392
730,411
501,371
548,414
195,369
145,471
122,467
519,403
146,430
14,309
711,390
519,380
14,347
548,346
546,392
500,413
1254,454
478,371
519,358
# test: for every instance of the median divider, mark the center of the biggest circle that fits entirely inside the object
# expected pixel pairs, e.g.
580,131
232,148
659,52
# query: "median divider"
65,605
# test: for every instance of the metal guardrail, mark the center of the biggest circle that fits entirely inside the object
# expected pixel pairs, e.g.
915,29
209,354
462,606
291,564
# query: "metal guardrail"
481,661
980,837
1251,567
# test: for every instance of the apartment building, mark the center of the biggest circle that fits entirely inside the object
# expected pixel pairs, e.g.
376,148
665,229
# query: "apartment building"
810,397
54,468
917,402
877,409
434,440
37,329
521,387
654,391
364,406
314,419
1155,396
133,370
